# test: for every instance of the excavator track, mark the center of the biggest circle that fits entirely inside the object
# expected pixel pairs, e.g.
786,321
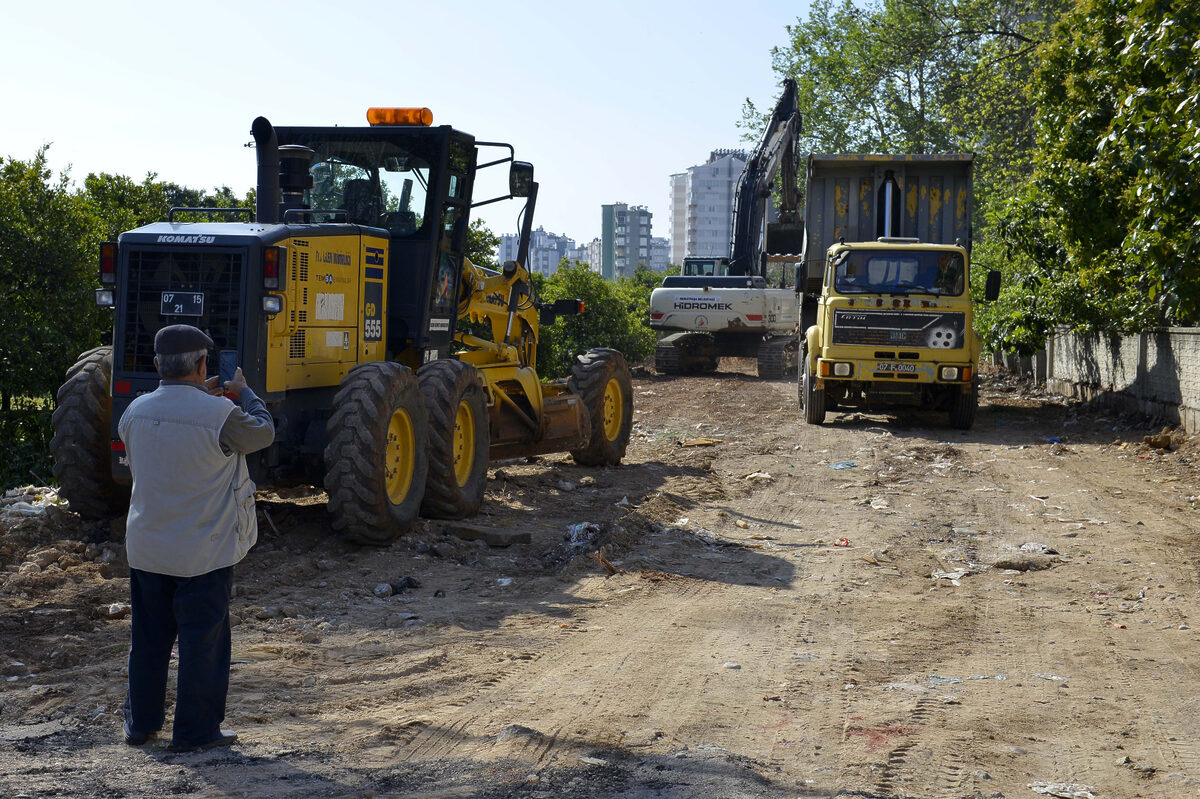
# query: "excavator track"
683,353
777,357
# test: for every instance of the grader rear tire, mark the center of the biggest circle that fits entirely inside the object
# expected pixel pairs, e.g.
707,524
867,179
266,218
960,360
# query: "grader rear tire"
377,456
458,439
602,378
81,446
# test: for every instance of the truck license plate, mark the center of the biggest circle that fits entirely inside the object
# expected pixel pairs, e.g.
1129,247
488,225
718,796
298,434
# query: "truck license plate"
182,303
887,366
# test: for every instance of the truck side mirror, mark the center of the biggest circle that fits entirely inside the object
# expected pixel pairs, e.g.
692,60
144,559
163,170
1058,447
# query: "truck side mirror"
991,291
520,178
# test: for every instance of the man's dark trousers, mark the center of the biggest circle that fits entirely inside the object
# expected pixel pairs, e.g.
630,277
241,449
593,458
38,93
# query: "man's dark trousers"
196,609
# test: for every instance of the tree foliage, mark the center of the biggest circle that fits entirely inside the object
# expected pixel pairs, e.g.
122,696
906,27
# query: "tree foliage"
615,316
1105,234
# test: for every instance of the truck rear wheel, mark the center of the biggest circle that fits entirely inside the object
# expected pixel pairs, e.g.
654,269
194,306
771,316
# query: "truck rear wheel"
377,457
812,399
82,442
602,379
962,407
458,439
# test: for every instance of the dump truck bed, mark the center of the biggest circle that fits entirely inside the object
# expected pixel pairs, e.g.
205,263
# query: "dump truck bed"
844,199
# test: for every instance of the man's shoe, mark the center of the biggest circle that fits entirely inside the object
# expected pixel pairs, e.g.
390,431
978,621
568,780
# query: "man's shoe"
224,738
133,738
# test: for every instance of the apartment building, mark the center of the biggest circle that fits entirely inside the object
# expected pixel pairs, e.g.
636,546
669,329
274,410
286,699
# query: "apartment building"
702,205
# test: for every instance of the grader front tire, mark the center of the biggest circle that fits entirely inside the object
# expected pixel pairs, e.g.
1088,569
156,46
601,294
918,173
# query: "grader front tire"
82,442
458,439
602,378
377,456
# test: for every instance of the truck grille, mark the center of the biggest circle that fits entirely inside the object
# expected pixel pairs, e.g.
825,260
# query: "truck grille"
934,329
151,272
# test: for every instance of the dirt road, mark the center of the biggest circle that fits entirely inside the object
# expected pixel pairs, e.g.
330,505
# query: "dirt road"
879,607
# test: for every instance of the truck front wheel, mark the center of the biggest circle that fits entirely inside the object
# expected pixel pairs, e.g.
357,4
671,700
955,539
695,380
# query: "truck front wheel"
812,399
962,407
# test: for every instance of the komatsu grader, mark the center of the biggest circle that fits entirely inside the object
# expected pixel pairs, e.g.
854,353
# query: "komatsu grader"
394,367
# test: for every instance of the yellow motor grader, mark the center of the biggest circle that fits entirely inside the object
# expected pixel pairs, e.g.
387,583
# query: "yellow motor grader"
394,368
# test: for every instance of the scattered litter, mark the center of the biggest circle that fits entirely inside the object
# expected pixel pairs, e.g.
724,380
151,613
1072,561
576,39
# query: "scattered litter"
775,698
729,664
1054,440
742,523
624,503
879,503
1031,546
842,542
1052,677
580,536
29,501
699,442
504,582
601,559
987,677
953,576
843,465
593,761
764,476
1063,790
566,485
935,680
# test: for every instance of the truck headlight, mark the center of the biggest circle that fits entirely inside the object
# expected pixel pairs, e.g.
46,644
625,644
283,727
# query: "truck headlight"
948,373
842,369
272,303
104,298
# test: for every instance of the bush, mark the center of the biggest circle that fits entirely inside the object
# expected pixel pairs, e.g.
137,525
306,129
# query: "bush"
615,316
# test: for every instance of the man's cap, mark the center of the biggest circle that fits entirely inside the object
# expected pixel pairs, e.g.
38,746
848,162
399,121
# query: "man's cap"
178,339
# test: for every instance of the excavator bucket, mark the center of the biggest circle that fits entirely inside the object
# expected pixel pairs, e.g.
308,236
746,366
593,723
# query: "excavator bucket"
785,238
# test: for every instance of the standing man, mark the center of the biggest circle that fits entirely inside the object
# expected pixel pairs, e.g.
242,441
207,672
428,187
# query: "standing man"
191,517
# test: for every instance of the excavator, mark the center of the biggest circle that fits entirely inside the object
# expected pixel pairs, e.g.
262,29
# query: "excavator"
723,307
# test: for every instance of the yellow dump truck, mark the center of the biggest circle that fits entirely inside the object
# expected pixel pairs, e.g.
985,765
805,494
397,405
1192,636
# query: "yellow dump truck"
884,288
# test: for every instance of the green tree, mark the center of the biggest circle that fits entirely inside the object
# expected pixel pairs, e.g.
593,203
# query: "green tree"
1108,224
48,263
482,244
48,270
614,316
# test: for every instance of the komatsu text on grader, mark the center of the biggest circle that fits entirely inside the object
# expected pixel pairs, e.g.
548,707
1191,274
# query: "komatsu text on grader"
342,300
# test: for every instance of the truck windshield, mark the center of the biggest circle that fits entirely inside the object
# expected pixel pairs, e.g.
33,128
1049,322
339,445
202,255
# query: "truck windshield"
898,272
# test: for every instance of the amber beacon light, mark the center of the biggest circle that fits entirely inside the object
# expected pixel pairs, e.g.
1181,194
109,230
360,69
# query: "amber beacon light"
399,116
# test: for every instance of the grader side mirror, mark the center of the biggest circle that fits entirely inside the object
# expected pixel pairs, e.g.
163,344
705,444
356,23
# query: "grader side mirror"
520,178
547,314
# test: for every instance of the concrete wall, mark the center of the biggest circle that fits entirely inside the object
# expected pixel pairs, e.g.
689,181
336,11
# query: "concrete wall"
1156,373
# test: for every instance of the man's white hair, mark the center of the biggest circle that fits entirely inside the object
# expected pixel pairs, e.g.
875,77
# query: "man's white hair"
179,365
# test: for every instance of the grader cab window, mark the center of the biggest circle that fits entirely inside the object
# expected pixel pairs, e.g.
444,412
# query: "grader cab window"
376,182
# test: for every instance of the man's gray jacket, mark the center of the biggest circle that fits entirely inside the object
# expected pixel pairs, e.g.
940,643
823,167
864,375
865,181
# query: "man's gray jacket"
192,509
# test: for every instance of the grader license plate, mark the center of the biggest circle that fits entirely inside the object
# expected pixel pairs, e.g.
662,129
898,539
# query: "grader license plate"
182,303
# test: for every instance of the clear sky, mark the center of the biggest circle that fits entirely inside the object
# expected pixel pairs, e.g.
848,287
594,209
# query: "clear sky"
606,99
